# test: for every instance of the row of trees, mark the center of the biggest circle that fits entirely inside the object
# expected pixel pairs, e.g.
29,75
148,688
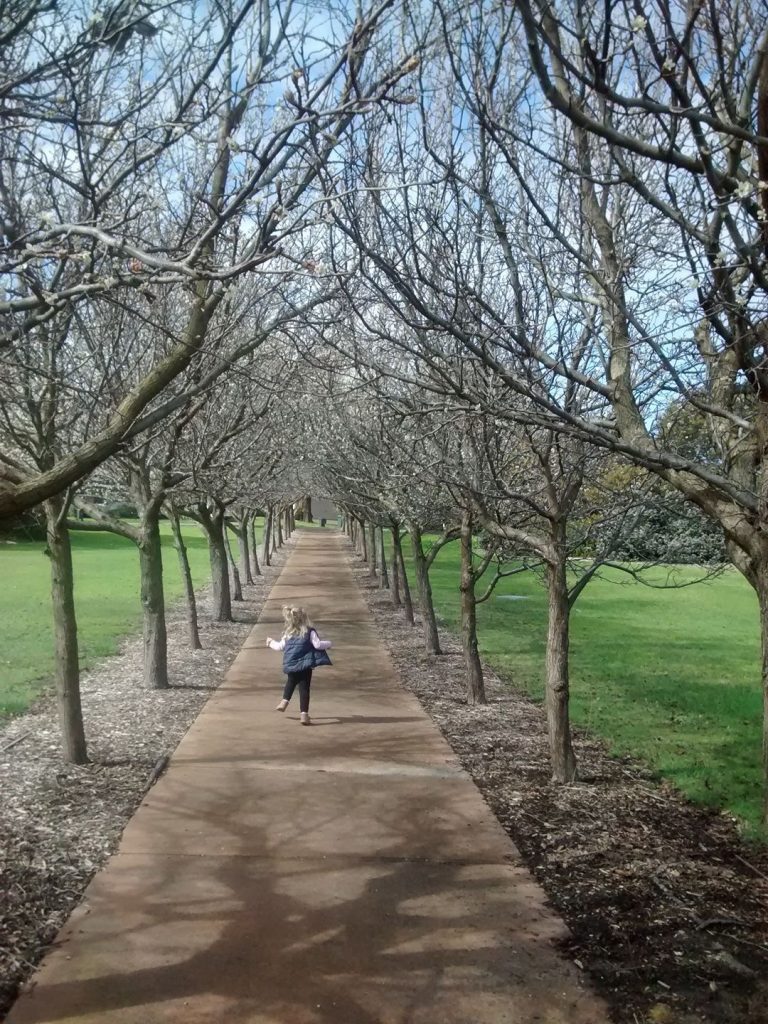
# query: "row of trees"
162,167
159,191
532,237
221,466
515,498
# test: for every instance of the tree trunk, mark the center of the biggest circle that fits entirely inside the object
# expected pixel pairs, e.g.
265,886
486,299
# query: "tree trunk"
431,636
254,546
373,554
363,542
383,575
395,589
279,523
561,749
407,599
237,590
308,509
189,589
245,555
153,603
474,670
67,667
266,545
217,551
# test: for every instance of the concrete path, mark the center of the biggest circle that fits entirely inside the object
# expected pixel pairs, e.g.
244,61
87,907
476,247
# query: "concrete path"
347,873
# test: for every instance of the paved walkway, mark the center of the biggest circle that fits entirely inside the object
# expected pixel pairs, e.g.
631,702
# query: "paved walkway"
347,873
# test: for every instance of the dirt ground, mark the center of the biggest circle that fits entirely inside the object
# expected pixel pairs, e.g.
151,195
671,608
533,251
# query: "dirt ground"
59,822
667,906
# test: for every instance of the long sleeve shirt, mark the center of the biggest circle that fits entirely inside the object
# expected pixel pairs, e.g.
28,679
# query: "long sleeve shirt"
317,643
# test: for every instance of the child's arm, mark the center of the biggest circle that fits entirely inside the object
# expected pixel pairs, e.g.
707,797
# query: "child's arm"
317,643
276,645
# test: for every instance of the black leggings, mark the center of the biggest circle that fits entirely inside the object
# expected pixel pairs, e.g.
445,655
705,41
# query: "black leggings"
302,680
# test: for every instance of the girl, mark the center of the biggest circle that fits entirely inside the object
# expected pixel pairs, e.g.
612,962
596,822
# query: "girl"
302,650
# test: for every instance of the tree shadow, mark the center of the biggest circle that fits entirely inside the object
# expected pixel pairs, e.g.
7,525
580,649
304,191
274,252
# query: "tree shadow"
327,940
326,720
193,686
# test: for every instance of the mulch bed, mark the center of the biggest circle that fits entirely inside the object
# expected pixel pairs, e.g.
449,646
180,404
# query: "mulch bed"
667,906
59,822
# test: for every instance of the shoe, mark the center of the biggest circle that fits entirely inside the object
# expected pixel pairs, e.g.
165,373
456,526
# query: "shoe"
305,719
282,705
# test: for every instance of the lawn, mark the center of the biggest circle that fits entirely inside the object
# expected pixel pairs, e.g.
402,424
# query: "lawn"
672,676
107,597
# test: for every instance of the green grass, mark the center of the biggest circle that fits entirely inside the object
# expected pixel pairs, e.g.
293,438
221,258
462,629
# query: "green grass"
107,600
671,676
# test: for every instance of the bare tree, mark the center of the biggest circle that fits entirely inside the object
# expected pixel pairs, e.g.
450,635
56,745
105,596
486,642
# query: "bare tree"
186,576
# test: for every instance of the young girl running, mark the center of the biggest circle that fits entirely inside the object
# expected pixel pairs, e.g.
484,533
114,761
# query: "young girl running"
302,650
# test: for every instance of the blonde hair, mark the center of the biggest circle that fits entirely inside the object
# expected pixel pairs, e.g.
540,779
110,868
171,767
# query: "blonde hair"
296,621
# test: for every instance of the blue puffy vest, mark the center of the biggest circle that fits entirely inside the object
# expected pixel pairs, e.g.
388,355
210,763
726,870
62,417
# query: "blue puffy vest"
299,655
